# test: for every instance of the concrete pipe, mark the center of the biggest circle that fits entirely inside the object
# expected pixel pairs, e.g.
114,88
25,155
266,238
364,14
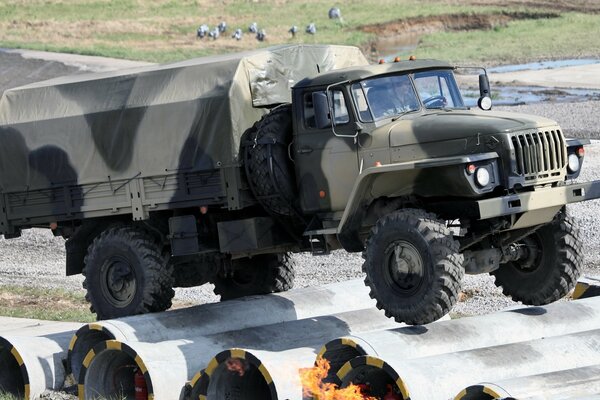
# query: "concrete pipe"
570,383
587,287
34,327
110,365
442,376
212,318
511,326
109,370
31,364
277,351
253,375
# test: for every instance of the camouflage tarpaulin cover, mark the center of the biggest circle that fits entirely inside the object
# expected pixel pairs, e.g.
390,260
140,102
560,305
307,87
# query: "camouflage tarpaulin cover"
148,121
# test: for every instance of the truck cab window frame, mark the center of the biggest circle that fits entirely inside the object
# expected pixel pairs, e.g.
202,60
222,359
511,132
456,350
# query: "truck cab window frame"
339,106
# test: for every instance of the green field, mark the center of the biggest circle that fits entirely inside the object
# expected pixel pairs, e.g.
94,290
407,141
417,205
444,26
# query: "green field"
164,30
7,396
48,304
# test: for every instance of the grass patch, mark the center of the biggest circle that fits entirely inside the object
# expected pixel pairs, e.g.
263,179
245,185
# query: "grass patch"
48,304
573,35
8,396
164,30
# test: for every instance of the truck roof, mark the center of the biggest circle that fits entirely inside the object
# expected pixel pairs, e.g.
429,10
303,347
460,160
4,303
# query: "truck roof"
356,73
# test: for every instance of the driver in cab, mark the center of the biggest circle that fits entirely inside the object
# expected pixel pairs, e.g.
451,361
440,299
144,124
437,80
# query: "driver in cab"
392,96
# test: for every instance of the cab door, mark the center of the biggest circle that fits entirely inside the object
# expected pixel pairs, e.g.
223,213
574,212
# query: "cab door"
326,157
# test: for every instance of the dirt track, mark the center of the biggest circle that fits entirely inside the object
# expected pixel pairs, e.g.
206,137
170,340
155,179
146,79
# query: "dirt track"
17,71
586,6
405,29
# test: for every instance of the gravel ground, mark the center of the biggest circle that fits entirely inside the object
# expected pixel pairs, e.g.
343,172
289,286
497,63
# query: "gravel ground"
37,258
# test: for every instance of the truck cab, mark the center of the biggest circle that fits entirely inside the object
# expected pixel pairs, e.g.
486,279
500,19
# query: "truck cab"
389,161
374,110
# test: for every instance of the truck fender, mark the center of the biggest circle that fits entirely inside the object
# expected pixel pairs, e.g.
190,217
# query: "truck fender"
76,246
373,182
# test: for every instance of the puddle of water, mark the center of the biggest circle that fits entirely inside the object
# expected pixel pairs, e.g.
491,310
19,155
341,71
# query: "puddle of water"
402,46
543,65
516,95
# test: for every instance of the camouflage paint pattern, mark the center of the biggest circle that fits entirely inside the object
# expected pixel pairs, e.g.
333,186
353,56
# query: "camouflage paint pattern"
148,138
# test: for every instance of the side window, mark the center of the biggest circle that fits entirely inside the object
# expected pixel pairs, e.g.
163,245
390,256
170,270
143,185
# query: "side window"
309,111
340,110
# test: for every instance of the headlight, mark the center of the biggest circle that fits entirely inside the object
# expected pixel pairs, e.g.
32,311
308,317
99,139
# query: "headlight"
574,163
482,176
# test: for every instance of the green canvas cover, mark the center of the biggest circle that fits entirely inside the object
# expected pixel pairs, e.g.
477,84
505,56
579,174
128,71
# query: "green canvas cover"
148,121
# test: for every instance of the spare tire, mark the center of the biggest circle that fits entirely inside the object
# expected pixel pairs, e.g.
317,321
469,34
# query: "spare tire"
268,166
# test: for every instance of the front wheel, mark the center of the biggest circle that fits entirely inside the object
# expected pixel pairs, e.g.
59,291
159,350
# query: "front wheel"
549,265
126,274
261,274
413,266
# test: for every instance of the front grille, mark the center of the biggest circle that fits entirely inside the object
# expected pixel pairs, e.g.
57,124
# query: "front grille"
540,155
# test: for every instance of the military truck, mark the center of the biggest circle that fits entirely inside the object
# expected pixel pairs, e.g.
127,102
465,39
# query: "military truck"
216,169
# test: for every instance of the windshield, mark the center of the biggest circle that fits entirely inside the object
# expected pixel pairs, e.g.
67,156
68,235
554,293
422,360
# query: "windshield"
390,96
385,97
438,89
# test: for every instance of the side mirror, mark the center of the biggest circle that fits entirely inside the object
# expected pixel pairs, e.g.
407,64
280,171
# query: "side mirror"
321,107
485,99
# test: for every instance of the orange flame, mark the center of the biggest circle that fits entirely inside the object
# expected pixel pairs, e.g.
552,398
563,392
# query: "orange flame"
313,385
236,365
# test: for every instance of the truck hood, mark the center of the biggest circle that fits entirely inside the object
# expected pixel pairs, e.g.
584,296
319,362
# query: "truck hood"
457,124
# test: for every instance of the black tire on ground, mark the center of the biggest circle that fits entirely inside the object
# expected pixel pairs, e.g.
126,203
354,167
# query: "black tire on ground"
413,266
276,189
550,267
261,274
193,270
126,274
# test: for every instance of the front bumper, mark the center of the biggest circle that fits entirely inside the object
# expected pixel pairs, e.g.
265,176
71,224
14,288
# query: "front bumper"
538,199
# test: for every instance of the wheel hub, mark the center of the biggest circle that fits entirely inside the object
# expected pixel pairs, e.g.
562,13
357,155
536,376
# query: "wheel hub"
527,252
406,267
119,285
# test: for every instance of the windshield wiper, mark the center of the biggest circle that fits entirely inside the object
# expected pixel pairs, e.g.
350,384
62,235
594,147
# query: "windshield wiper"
402,114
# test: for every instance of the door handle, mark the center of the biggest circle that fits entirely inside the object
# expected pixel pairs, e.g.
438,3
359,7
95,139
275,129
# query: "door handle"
305,150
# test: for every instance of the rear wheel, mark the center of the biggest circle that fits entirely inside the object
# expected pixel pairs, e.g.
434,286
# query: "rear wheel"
549,264
261,274
413,266
126,274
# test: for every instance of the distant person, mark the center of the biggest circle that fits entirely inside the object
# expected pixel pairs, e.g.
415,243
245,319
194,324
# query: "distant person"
334,13
293,30
237,35
202,31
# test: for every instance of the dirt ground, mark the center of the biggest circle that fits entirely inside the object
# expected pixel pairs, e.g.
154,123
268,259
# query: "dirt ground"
452,22
587,6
